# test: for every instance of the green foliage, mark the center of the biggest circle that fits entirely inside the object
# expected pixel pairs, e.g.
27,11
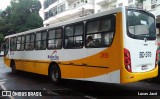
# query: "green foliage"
1,38
21,15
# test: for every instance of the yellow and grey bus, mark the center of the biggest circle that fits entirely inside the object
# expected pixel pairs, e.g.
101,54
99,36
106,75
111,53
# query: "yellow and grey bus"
115,46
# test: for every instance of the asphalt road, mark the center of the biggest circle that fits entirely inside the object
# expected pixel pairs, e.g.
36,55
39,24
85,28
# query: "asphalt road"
71,89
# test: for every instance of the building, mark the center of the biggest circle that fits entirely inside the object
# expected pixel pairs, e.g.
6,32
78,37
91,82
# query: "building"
55,11
62,10
102,5
153,6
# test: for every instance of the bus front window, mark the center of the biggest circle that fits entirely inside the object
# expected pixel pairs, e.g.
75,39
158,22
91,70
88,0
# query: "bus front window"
141,25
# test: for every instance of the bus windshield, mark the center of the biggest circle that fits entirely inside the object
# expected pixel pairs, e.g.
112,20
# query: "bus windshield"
141,25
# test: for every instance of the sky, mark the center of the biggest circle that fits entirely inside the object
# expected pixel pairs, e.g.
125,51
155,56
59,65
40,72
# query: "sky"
4,4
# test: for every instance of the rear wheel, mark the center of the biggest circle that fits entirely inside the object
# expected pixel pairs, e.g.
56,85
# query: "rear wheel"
55,73
13,67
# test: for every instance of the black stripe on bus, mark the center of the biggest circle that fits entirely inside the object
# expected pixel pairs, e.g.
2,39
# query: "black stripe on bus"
83,65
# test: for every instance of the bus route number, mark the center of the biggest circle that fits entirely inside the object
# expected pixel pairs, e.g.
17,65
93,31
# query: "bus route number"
145,54
104,55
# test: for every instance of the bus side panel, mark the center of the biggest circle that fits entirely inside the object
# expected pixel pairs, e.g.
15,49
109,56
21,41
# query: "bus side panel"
7,61
29,66
32,66
110,60
19,64
41,68
72,72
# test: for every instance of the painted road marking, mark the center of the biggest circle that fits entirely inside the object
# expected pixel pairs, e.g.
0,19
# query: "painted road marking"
4,88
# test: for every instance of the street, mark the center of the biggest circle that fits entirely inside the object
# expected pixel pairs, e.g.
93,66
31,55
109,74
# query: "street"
70,89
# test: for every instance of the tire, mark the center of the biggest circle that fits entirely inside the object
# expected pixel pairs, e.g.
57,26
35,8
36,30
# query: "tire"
13,67
55,73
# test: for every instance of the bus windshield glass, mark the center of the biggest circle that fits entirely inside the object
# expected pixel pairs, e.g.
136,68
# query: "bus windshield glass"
141,25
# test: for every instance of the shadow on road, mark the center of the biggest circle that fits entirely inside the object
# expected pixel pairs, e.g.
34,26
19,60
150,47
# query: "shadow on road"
79,88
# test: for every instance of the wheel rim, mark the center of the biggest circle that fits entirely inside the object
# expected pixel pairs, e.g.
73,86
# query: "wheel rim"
55,75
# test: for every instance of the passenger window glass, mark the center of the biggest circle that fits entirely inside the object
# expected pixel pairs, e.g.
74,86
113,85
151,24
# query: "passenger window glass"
13,44
92,27
38,36
69,31
38,41
58,33
55,39
27,43
18,43
32,41
100,32
51,34
44,35
74,38
79,29
41,39
22,43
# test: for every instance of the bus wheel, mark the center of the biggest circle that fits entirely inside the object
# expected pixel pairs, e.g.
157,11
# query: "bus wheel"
13,67
55,73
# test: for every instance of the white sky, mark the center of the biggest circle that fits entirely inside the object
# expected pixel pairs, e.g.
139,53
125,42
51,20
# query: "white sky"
4,4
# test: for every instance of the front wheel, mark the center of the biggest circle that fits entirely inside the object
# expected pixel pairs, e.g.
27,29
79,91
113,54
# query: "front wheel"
55,73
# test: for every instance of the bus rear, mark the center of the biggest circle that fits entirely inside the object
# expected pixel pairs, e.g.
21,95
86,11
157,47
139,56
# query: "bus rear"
139,46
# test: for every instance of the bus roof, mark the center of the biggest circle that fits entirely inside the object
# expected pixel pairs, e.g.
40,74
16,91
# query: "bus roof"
70,21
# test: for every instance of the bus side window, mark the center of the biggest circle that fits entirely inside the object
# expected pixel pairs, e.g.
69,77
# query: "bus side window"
55,38
74,36
38,41
101,30
13,44
19,43
41,40
22,43
32,42
69,36
27,42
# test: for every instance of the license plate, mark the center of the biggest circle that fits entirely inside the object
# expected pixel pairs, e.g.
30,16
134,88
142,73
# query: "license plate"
144,67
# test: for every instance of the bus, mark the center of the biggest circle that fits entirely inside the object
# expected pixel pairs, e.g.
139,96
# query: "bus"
114,46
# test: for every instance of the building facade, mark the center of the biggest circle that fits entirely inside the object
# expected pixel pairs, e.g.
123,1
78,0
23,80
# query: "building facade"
153,6
55,11
61,10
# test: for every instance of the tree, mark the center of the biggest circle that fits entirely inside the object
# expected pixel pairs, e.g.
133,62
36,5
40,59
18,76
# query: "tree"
140,3
21,15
